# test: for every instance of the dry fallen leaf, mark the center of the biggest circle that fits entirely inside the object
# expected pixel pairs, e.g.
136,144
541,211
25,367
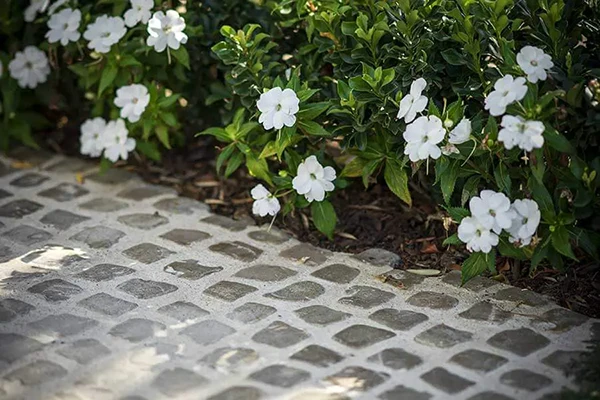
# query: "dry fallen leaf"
429,248
21,165
424,272
505,267
79,178
347,235
455,267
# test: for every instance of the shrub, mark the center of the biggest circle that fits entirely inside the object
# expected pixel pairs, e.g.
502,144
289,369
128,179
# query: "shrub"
495,100
85,71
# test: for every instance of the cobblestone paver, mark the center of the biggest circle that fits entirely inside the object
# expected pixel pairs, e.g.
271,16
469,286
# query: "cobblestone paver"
114,289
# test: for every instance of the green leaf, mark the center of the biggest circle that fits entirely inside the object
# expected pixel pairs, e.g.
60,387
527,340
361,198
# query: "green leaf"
453,57
558,141
181,55
313,128
108,76
79,69
324,217
224,156
166,102
258,168
21,130
304,95
234,163
397,180
105,165
470,189
354,168
269,149
508,249
561,243
219,133
448,180
162,133
129,61
369,169
452,240
491,128
538,165
287,137
476,264
541,196
169,118
503,178
433,109
148,149
587,240
312,111
458,213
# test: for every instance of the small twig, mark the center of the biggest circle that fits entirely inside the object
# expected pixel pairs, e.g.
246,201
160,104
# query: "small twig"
242,201
215,201
207,183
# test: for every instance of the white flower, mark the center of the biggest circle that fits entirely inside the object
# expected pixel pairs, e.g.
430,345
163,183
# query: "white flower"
140,11
534,62
516,131
506,91
461,133
35,7
92,137
526,221
166,30
313,180
55,6
492,210
264,202
132,100
104,32
422,137
278,108
117,144
64,27
477,236
413,103
30,67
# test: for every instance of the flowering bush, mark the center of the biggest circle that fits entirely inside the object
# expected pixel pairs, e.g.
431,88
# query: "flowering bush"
145,61
479,94
493,104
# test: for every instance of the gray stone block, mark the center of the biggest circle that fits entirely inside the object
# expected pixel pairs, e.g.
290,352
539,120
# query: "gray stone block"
359,336
84,351
99,237
279,334
299,291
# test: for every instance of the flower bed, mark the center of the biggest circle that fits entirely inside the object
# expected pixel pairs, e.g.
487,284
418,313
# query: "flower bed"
490,107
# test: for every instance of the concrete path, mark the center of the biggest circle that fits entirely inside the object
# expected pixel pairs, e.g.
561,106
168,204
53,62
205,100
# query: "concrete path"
113,289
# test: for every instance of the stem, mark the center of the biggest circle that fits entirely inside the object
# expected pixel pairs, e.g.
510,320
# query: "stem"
516,270
522,108
472,151
271,224
284,193
168,55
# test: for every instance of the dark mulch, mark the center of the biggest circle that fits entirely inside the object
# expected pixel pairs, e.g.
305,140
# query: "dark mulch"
369,218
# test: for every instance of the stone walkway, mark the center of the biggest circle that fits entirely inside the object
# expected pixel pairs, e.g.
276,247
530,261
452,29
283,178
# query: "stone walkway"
114,289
